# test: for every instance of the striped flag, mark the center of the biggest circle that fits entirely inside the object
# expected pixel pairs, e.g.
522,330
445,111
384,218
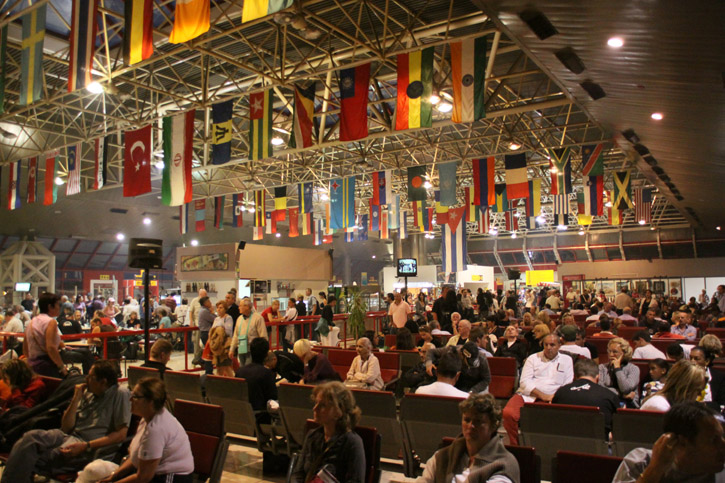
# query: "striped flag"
260,125
280,198
50,193
176,183
259,201
428,220
342,202
511,220
415,86
219,212
257,233
200,215
270,225
221,132
100,161
418,210
615,214
501,204
317,233
471,208
623,189
14,186
254,9
403,225
73,153
293,222
384,232
362,232
138,35
468,72
3,66
305,194
382,187
561,210
326,238
350,233
643,205
483,181
32,179
307,224
394,213
31,62
560,168
374,216
82,43
533,203
484,220
582,218
517,178
238,210
303,119
184,219
448,183
191,19
594,195
593,160
354,85
441,211
453,242
328,228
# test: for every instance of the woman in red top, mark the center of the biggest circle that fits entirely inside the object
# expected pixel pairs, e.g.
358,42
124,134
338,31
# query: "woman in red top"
26,388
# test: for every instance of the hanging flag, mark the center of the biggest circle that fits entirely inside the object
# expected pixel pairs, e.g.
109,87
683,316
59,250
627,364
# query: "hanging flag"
384,232
279,215
560,168
50,193
270,223
259,202
374,216
326,238
14,186
317,233
73,185
517,178
350,233
3,69
483,222
328,228
428,219
100,161
643,205
280,198
483,181
303,119
362,232
415,87
138,35
31,62
593,159
418,210
394,213
441,211
191,19
237,210
416,183
32,179
219,212
501,204
594,195
623,189
254,9
184,218
293,222
403,225
137,162
511,220
448,183
453,242
471,208
307,223
82,43
582,218
382,187
221,132
342,202
305,192
468,72
561,210
354,84
533,203
176,183
260,125
615,214
257,233
200,215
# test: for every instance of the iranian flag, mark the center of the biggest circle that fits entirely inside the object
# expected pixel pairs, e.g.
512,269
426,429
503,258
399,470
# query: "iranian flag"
176,185
468,69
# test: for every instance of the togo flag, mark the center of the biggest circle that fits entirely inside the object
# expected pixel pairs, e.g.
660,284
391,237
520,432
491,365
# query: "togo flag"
260,124
453,246
415,86
468,70
176,184
254,9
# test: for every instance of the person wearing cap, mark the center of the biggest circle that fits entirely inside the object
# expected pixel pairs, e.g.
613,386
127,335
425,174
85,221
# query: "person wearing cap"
683,326
475,373
569,345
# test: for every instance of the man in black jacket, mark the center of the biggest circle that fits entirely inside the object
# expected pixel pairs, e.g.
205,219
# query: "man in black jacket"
260,380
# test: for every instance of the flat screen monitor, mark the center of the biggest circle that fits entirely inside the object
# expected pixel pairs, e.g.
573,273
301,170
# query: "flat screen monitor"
22,286
407,267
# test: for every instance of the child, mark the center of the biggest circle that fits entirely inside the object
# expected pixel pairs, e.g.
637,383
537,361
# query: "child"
658,373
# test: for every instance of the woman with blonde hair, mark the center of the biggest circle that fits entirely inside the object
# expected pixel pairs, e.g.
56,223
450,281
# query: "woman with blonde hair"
527,319
538,333
685,382
618,375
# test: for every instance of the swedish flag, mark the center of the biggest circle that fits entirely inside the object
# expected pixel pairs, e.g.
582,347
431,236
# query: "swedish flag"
31,77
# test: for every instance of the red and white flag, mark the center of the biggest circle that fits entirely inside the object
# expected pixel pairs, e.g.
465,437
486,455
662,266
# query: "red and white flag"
73,153
50,193
14,186
100,159
137,162
32,179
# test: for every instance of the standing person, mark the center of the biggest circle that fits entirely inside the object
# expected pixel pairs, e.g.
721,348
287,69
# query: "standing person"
28,303
42,339
194,308
271,315
232,307
703,299
205,321
249,326
313,307
399,312
623,300
323,326
482,304
290,330
181,311
220,342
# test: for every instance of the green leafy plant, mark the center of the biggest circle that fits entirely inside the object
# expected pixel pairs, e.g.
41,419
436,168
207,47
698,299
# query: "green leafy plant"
357,308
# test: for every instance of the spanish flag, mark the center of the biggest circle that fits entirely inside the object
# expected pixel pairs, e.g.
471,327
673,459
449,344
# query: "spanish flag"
191,19
260,124
415,86
138,40
254,9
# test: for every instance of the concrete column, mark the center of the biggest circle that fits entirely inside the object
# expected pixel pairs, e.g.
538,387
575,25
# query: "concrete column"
397,248
347,271
422,250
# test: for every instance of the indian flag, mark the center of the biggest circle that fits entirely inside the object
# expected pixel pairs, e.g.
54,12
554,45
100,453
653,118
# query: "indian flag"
415,86
176,183
468,69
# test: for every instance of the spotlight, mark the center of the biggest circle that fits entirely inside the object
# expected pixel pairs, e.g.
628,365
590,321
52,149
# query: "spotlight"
373,256
718,228
581,232
120,236
541,219
615,42
434,99
277,141
608,204
642,222
278,235
324,197
147,221
194,243
562,228
59,181
427,185
514,146
554,169
513,235
493,231
657,116
94,87
159,165
444,106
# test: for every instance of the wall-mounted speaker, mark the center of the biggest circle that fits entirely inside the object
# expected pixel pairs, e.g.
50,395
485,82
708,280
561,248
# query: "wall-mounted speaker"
145,253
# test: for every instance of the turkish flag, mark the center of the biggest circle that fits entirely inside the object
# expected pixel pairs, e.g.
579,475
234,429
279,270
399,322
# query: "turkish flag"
137,162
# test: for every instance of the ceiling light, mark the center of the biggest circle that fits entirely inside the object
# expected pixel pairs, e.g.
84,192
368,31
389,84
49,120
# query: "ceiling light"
94,87
434,99
562,228
59,181
581,232
427,185
251,209
159,165
513,235
159,154
517,214
493,231
373,256
554,169
615,42
324,197
277,141
642,222
147,221
541,219
278,235
652,228
514,146
194,243
718,228
608,204
444,106
120,236
657,116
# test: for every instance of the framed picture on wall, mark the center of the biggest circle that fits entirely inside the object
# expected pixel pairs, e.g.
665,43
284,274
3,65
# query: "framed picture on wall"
658,287
261,286
608,288
675,287
641,287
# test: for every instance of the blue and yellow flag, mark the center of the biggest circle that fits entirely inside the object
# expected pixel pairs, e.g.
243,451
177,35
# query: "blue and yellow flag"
342,202
31,74
221,132
502,204
305,193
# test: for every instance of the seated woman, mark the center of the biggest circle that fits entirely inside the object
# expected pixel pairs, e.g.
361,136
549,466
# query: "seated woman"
317,367
618,375
365,368
477,455
333,447
685,382
26,388
160,450
536,336
404,340
704,357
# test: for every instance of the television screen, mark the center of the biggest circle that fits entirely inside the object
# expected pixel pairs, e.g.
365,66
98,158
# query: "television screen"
407,267
22,286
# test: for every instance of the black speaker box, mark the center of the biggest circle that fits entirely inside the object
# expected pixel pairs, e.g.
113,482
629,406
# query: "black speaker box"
145,253
514,274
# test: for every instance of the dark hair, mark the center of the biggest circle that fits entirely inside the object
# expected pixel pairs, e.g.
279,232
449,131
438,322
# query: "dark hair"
449,364
585,368
184,301
331,299
604,323
258,348
46,301
663,326
476,334
19,373
105,370
203,300
642,335
404,340
661,363
675,351
683,419
160,347
153,389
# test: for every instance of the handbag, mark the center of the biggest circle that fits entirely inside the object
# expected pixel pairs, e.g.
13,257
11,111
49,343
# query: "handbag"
243,347
323,327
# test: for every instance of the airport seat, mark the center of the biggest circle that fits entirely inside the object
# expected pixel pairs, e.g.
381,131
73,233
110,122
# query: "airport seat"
634,428
204,424
573,467
628,332
295,406
183,385
232,394
135,373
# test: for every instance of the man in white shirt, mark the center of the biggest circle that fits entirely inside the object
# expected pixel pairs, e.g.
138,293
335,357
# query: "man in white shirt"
623,300
447,372
571,296
543,373
193,319
399,311
554,301
643,348
568,335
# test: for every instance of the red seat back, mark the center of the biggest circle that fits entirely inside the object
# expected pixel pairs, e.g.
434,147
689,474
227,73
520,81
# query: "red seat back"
502,387
571,466
204,424
502,366
663,344
390,340
628,332
593,330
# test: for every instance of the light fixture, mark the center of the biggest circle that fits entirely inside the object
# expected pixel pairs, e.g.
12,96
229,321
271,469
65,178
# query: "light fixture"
59,181
147,221
427,185
554,169
373,256
120,236
562,228
95,87
541,219
657,116
250,209
277,141
159,154
159,165
581,232
194,243
444,106
718,228
493,231
324,197
642,222
652,228
435,99
278,235
608,204
615,42
517,214
514,146
513,235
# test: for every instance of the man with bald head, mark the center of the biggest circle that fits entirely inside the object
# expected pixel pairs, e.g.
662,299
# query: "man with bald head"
193,318
249,326
543,374
464,331
365,368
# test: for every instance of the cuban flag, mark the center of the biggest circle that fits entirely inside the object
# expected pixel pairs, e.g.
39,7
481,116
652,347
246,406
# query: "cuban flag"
453,246
14,186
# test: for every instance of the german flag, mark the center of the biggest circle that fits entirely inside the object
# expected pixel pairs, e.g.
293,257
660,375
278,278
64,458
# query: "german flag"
415,86
138,40
260,124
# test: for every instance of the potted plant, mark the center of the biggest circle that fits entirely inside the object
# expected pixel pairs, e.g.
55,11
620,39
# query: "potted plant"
357,308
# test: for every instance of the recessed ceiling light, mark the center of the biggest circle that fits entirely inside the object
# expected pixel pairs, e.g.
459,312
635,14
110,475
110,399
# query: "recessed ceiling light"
615,42
194,243
657,116
94,87
147,221
444,106
514,146
120,236
718,228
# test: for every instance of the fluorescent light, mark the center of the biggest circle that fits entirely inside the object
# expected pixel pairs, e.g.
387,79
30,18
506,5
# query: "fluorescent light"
59,181
147,221
657,116
95,87
194,243
434,99
278,235
120,236
444,106
615,42
277,141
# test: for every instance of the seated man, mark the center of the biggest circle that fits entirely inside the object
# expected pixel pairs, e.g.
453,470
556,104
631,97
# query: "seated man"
159,356
478,335
663,332
260,380
97,417
464,330
569,346
691,449
605,324
682,326
543,374
627,315
417,375
586,391
447,372
643,348
365,368
475,373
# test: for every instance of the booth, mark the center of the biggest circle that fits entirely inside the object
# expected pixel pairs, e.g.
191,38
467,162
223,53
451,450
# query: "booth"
475,277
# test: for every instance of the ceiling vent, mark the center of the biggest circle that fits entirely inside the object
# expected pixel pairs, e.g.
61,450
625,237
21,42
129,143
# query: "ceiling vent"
594,90
538,23
571,61
120,211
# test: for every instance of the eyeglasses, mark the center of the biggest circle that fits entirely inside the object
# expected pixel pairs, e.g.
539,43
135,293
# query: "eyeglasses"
136,396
